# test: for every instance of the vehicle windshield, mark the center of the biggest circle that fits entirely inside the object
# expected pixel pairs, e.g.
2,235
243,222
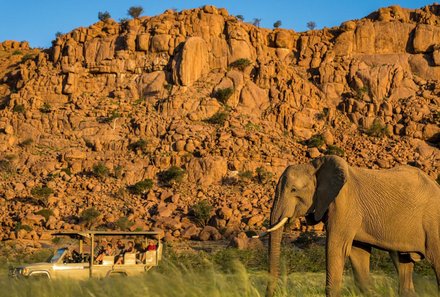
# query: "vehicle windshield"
57,255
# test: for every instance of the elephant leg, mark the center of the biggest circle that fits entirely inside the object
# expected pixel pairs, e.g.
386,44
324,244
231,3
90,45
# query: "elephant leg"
404,266
433,256
360,262
336,250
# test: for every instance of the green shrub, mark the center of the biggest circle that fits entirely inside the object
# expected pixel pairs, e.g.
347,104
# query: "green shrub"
277,24
139,145
218,118
135,11
104,16
19,108
240,64
17,52
108,119
171,175
20,226
27,57
42,194
7,167
46,108
202,212
240,17
67,171
100,170
315,141
252,127
222,95
117,171
246,175
262,175
123,224
141,187
89,215
360,92
26,142
56,240
334,150
45,212
377,129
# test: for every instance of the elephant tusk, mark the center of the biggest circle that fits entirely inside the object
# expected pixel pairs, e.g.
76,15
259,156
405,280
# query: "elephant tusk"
277,226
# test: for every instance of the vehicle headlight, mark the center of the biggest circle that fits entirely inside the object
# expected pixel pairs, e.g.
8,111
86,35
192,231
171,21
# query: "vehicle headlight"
25,271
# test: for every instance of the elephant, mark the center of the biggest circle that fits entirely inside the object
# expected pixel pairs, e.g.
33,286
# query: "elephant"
394,209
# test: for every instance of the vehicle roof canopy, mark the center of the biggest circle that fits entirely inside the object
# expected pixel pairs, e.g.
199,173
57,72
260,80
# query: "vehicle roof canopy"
88,234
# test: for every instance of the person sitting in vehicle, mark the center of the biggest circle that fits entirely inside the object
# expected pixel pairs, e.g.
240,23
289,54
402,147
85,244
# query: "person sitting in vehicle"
107,252
120,250
130,248
151,246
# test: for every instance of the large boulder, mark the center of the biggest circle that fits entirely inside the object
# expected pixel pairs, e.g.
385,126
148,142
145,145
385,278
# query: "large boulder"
192,62
208,170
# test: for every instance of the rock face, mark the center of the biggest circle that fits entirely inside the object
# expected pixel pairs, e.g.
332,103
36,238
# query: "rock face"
203,107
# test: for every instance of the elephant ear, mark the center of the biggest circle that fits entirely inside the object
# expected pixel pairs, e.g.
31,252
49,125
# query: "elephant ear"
331,175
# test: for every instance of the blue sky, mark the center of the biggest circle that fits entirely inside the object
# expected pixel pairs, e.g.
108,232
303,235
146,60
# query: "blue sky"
37,21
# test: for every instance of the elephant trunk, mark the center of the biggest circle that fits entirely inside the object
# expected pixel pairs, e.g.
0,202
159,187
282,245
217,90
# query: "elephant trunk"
274,260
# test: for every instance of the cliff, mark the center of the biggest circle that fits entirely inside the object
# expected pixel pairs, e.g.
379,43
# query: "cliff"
229,103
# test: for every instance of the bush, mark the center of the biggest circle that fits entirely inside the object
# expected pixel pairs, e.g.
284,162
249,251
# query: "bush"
202,212
240,64
123,224
67,171
19,108
311,25
240,17
89,215
46,108
222,95
245,175
46,213
135,11
334,150
42,193
26,142
218,119
315,141
104,16
262,175
139,145
17,52
108,119
27,57
6,166
100,170
171,175
277,24
141,187
377,130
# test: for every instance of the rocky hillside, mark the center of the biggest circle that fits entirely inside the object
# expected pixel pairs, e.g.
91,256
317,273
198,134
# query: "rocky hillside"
184,121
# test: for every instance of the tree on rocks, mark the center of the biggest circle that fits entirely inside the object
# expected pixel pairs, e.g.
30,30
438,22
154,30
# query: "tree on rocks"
135,11
311,25
104,16
277,24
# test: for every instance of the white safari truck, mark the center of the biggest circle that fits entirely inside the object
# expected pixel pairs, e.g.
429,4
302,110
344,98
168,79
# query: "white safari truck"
69,263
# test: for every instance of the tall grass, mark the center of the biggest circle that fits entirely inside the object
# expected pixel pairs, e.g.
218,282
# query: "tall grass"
225,273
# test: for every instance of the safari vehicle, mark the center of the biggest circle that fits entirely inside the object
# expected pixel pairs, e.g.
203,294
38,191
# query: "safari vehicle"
80,265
